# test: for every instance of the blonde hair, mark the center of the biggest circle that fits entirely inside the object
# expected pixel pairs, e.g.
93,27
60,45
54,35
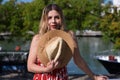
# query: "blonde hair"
43,27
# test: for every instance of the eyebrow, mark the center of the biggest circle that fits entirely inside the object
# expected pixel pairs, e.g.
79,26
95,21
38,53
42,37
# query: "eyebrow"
57,16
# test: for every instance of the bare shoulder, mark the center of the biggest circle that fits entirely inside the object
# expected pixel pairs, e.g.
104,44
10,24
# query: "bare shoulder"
72,33
36,38
35,41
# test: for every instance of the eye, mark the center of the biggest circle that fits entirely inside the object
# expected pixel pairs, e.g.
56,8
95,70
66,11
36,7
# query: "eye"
57,17
49,17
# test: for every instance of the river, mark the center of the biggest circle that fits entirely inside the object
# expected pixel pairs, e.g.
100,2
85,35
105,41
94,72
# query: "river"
88,46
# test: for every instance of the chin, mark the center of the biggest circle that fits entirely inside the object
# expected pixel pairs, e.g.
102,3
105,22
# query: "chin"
53,28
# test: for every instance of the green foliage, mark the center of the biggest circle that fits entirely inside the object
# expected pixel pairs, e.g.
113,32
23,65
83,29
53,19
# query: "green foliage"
77,13
10,17
20,18
110,26
23,18
32,14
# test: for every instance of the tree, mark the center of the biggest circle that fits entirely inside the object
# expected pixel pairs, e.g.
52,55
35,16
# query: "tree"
110,25
7,11
80,14
20,18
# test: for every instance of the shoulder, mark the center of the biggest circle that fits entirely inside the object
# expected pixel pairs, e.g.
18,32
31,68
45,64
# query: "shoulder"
35,40
72,33
36,37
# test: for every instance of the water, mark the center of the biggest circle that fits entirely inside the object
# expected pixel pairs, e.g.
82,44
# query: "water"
88,46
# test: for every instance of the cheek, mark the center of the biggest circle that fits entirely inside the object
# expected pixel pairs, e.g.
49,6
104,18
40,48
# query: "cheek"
48,23
59,22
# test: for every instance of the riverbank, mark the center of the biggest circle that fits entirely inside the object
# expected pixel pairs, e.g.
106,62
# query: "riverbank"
28,76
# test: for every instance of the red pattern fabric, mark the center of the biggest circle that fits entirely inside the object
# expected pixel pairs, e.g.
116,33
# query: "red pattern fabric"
57,74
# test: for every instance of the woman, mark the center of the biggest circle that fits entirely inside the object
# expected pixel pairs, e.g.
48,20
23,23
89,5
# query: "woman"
52,19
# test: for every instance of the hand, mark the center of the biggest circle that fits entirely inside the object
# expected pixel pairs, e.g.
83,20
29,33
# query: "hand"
100,77
57,64
51,66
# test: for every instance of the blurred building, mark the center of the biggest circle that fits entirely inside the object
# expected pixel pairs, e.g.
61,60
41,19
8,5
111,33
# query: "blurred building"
113,3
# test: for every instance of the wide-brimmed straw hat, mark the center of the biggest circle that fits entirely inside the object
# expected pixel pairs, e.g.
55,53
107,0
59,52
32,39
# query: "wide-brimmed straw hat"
56,45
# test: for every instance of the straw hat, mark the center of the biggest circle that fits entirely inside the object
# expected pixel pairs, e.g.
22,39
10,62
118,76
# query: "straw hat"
56,45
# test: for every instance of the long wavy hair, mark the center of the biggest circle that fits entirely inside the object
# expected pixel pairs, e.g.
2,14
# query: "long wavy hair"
43,26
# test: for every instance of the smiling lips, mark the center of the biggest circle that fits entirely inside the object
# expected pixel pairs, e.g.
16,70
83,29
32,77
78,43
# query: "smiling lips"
53,26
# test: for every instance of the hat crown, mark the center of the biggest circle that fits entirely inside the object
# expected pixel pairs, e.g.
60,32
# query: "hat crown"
53,48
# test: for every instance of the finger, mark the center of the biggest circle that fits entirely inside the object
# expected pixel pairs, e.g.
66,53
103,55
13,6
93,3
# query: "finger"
101,78
49,63
56,63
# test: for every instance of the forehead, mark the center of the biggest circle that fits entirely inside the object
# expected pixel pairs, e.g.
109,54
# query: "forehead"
53,13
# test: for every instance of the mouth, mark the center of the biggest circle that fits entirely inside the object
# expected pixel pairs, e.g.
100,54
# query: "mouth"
53,26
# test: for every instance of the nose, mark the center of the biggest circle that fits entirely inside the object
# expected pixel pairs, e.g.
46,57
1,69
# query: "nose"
53,19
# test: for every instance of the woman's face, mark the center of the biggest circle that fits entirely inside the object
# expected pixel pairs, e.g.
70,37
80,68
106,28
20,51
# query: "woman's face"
54,20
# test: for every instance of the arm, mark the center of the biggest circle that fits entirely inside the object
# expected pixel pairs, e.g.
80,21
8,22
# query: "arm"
32,58
80,62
